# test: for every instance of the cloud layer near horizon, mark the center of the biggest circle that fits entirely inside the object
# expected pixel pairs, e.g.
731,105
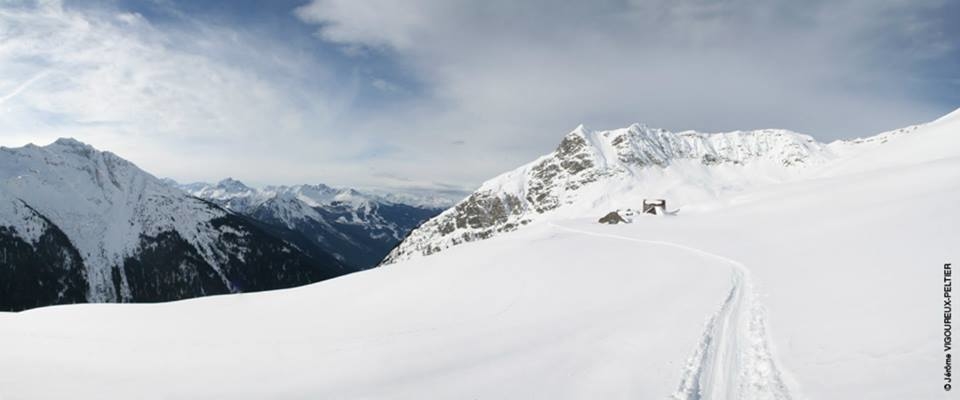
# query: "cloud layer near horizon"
491,84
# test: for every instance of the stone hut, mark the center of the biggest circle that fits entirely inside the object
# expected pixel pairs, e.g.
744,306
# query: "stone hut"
654,206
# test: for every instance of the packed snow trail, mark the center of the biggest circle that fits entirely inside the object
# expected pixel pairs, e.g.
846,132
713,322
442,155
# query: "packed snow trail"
733,359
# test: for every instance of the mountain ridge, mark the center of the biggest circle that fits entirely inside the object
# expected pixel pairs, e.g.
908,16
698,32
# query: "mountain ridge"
356,227
122,221
610,169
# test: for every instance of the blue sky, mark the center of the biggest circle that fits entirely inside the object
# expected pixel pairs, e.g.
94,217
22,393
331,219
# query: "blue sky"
440,94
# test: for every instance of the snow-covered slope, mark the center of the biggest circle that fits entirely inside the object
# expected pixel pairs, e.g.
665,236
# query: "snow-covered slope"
599,171
827,287
357,227
596,170
138,238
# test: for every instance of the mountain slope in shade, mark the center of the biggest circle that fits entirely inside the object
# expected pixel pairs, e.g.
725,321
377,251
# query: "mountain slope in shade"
592,172
38,264
91,216
356,227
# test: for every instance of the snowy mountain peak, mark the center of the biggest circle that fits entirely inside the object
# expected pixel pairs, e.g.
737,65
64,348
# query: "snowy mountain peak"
320,187
231,184
592,172
71,142
118,219
102,202
600,170
230,193
638,146
579,130
83,150
76,167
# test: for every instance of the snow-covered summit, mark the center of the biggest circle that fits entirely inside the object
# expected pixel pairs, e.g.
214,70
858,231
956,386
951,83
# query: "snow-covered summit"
320,195
71,142
233,185
639,145
107,207
229,193
101,201
592,172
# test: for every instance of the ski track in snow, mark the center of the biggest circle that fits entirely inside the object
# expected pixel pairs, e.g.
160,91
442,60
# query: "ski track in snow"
733,359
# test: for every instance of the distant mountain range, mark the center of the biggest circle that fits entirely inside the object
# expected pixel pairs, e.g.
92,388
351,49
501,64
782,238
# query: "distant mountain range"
82,225
358,228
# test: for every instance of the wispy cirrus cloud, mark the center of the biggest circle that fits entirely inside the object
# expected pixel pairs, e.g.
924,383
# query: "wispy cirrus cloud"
433,93
210,96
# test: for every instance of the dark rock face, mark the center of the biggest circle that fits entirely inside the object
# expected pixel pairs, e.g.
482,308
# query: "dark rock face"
47,272
481,211
539,193
710,159
486,213
572,159
573,155
480,216
612,218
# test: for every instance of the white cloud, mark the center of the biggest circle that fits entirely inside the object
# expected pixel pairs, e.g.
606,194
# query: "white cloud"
514,76
383,23
199,100
384,85
192,101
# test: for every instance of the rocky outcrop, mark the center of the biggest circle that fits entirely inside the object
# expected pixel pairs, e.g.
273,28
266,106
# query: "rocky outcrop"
633,159
612,218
